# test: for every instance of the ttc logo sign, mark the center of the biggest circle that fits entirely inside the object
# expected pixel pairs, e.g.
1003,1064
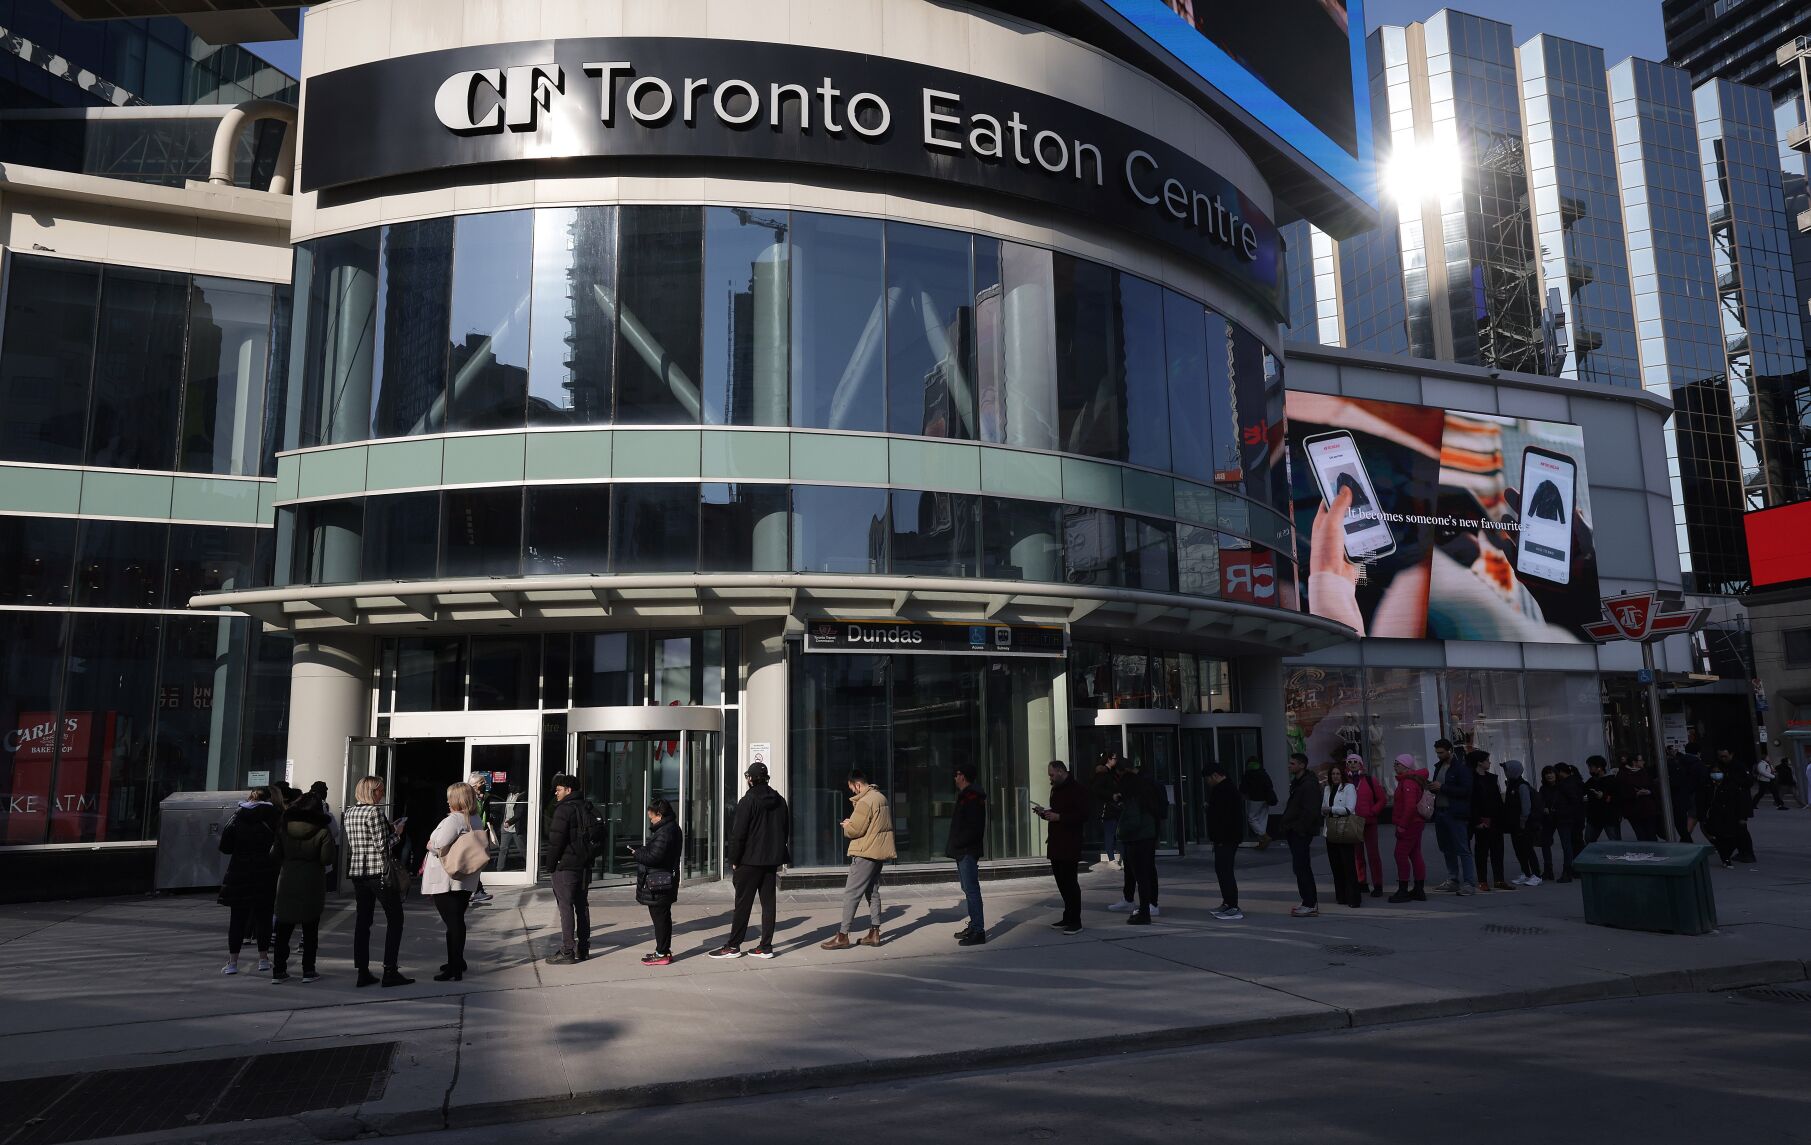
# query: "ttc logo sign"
1644,618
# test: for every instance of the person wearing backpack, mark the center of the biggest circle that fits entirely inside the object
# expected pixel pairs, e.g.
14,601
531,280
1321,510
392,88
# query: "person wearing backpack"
569,847
249,889
1405,814
1372,803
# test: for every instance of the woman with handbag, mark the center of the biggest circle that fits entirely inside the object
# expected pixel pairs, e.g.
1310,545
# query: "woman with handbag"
457,852
657,877
1412,808
377,879
305,849
1345,833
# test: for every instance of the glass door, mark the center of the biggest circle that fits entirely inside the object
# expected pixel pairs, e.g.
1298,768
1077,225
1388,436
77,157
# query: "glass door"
1197,761
504,770
1152,751
616,772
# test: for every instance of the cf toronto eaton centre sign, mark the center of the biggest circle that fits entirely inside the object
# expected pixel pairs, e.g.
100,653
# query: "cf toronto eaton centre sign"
610,106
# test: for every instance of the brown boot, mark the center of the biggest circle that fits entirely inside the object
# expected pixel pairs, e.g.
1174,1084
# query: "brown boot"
872,938
840,942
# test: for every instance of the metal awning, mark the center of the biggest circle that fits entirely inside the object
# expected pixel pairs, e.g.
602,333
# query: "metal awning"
216,21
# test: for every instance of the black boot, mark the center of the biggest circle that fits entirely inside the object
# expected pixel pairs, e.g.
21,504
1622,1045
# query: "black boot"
393,977
366,978
1419,894
1402,893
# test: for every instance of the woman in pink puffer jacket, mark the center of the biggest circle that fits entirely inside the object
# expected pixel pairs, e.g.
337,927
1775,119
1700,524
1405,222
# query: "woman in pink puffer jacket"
1372,803
1411,781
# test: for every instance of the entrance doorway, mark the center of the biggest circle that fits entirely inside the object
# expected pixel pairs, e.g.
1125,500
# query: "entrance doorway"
627,757
1176,751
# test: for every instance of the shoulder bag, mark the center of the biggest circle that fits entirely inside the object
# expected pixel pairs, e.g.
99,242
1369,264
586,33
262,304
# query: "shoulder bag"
1345,828
467,856
1424,806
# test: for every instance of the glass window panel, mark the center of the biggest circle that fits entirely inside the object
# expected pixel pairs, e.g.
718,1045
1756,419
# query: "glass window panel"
200,704
743,528
1223,428
840,714
1570,725
838,323
402,537
48,358
102,791
487,371
936,724
209,558
1403,715
1197,560
1186,350
1027,402
839,530
505,673
568,530
930,332
138,369
430,673
481,532
327,545
935,534
574,328
1090,367
414,286
1021,540
1323,712
335,338
1146,378
556,671
659,345
747,316
1484,709
1090,675
608,669
990,364
39,559
1091,540
655,528
229,349
675,661
120,564
1131,678
31,675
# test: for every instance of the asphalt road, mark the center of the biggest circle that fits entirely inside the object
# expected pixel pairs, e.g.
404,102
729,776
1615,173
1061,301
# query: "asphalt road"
1685,1069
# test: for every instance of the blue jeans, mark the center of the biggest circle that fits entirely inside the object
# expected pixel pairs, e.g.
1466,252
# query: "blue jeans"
1454,837
968,870
1109,838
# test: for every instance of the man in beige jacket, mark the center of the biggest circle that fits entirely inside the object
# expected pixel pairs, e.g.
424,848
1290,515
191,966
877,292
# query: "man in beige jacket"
869,829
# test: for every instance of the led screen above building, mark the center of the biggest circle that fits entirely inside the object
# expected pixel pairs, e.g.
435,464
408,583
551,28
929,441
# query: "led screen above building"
1779,544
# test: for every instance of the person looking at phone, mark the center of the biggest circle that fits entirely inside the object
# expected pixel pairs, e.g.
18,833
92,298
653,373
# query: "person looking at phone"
1067,812
1301,823
1226,831
657,877
569,853
1638,798
869,829
967,843
760,843
1451,785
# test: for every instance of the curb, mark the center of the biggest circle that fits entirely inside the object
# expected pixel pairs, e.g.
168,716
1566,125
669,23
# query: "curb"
340,1125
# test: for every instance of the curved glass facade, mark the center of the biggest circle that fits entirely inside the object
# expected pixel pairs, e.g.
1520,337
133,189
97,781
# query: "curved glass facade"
732,316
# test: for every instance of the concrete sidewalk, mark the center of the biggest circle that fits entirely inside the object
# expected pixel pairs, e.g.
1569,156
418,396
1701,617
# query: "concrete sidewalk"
114,983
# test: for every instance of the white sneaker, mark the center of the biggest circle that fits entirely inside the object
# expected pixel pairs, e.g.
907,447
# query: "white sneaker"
481,896
230,968
1119,907
263,965
1532,881
1519,880
1230,914
1155,912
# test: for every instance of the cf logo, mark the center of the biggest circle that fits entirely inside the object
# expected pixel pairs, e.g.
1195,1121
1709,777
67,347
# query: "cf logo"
515,98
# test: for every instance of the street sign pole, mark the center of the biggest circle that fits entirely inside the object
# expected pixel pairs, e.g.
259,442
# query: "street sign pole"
1659,738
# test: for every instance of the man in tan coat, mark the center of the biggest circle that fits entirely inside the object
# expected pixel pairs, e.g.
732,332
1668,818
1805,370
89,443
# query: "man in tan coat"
869,829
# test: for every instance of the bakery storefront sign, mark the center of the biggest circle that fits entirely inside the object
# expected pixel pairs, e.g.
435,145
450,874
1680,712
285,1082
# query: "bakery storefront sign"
567,103
933,638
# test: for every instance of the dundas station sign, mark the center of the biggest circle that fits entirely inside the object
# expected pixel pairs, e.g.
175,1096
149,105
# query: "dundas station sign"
598,106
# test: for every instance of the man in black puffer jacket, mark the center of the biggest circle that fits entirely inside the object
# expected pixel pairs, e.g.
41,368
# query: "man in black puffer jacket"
569,852
967,842
760,840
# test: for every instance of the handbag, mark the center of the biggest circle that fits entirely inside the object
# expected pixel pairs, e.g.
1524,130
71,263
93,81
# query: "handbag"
1425,805
467,856
1345,829
660,880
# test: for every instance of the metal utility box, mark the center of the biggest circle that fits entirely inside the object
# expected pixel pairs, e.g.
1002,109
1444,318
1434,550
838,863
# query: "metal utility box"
188,838
1648,886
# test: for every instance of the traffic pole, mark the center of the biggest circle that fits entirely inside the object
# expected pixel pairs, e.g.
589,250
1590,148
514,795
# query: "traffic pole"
1659,736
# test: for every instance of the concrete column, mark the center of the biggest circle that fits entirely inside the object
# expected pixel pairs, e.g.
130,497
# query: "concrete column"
767,707
1261,694
329,700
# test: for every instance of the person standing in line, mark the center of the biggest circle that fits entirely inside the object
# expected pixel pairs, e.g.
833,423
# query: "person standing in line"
1743,775
376,877
760,843
1546,811
1769,780
1226,823
1487,819
657,877
453,896
1301,823
1340,801
1638,800
481,811
1569,823
1688,776
1452,784
318,789
1105,788
967,844
1067,812
569,854
1142,810
869,829
1405,815
1725,811
1601,818
249,888
1260,796
1521,822
1371,805
305,847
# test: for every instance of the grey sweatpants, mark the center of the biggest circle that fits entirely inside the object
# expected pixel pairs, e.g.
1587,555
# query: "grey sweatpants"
863,883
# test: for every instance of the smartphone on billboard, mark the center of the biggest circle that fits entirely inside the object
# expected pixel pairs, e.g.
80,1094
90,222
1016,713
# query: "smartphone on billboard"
1549,498
1337,465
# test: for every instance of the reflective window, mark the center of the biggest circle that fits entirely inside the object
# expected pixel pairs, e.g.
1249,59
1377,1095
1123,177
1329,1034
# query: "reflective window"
1251,402
48,355
229,347
1197,560
413,286
335,336
747,316
402,537
556,671
281,423
742,528
328,542
487,371
120,564
209,558
1186,352
567,530
935,534
137,366
574,328
102,783
39,559
1150,555
838,323
930,332
608,669
1027,349
1091,546
1223,427
990,363
676,669
1089,360
1021,540
199,681
481,532
655,528
31,674
839,530
505,673
430,673
659,283
1146,374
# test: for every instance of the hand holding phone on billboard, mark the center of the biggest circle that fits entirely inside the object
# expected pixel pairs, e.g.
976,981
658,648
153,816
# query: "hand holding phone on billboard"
1549,498
1338,468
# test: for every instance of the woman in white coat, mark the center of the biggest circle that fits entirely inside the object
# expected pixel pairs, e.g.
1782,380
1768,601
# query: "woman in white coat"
1339,800
451,896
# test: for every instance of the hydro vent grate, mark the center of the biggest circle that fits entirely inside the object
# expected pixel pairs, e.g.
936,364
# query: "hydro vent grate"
1358,950
1498,928
110,1103
1777,994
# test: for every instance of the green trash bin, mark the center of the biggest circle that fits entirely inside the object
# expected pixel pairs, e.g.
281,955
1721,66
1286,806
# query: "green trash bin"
1648,886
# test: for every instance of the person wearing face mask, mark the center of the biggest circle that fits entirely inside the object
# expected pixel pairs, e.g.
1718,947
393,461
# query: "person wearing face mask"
1723,809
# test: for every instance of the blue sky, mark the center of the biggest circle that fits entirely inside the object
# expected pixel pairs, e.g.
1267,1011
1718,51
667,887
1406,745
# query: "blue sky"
1622,28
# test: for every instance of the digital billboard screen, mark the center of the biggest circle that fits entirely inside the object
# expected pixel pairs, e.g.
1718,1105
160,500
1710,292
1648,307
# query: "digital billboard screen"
1779,544
1295,66
1420,523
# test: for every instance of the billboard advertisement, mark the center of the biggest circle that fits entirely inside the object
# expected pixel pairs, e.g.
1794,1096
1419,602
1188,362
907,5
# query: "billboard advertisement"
1778,552
1420,523
1296,66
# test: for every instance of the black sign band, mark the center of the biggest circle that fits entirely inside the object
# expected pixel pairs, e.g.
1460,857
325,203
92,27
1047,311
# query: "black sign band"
662,98
905,637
